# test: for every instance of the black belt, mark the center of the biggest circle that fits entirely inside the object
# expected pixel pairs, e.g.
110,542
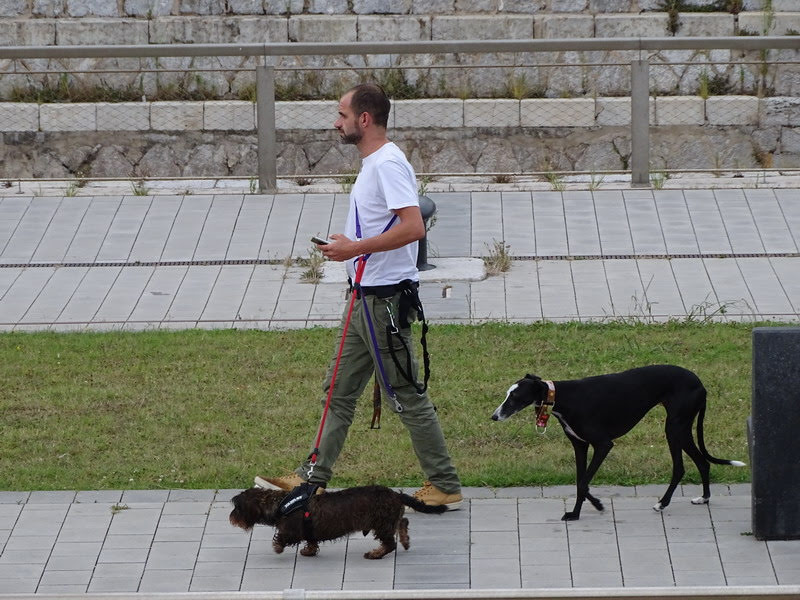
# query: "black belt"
383,291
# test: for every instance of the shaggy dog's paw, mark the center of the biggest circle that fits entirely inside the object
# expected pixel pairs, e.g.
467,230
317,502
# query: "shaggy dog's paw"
375,554
277,547
309,550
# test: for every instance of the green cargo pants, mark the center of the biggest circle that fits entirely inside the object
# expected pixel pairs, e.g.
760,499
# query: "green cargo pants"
356,368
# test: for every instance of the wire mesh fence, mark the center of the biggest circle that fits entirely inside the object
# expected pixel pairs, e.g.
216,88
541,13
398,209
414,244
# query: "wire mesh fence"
496,114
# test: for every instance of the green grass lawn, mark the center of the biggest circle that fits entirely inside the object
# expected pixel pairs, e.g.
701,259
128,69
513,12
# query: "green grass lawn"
210,409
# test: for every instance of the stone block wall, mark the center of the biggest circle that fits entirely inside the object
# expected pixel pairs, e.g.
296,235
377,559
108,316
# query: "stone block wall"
152,9
571,115
80,22
217,138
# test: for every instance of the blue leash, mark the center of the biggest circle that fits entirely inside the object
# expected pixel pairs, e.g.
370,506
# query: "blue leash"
357,289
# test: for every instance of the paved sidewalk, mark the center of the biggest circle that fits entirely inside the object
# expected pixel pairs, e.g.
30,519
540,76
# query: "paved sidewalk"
181,541
130,262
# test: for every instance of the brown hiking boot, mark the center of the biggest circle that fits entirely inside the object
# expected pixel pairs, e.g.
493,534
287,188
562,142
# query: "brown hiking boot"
433,496
286,483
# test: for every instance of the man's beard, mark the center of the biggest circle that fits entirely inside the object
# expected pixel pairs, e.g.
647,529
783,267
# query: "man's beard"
351,138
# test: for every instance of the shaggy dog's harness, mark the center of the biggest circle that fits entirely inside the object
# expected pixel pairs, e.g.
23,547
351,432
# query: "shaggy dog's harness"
298,499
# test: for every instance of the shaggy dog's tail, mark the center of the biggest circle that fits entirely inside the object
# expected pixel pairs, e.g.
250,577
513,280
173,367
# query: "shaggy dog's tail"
420,506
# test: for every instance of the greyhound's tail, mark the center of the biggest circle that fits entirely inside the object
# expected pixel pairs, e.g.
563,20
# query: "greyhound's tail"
420,506
717,461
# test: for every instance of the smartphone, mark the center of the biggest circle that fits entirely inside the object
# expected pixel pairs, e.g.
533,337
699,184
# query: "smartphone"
317,240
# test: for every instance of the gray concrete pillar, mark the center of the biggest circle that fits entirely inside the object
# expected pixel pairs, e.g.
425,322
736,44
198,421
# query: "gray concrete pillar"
774,433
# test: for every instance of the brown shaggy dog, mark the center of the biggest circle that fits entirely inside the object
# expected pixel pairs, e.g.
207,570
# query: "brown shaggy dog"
333,515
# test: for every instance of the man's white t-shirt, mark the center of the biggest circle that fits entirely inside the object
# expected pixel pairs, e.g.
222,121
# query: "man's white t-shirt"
386,182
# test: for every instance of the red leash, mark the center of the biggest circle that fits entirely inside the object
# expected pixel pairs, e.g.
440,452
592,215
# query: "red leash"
362,262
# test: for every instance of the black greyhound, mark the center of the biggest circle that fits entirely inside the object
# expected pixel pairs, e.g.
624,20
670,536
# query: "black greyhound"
596,410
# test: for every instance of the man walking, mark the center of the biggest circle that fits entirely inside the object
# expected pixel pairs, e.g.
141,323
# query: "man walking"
385,223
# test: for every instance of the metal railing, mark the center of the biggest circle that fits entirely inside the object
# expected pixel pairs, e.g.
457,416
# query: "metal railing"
640,72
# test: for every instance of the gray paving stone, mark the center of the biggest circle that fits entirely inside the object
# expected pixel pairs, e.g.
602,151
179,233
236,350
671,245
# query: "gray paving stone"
57,589
173,555
130,541
81,562
21,557
229,554
124,228
138,496
134,520
179,534
52,577
19,585
114,584
166,580
123,555
597,579
119,570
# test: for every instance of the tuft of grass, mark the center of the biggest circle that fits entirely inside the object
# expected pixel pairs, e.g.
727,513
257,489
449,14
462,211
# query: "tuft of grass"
765,159
658,179
556,181
66,88
192,409
139,188
72,189
312,265
517,87
422,188
596,181
347,180
498,259
116,508
715,85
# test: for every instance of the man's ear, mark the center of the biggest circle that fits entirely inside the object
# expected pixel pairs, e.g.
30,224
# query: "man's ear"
364,119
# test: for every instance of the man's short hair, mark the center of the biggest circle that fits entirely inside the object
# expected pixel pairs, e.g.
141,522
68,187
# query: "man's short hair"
370,98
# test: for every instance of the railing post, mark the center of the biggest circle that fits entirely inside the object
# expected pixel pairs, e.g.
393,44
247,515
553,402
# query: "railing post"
265,129
640,122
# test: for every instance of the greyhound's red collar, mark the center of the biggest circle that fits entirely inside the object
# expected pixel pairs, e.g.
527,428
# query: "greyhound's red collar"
543,410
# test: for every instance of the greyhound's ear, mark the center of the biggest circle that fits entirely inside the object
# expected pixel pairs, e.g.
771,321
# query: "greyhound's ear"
533,377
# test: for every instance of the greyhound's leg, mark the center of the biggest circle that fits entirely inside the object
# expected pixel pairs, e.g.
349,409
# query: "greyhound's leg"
674,433
701,463
581,449
599,453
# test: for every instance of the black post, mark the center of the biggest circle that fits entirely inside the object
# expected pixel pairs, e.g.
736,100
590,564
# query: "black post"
774,433
427,207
